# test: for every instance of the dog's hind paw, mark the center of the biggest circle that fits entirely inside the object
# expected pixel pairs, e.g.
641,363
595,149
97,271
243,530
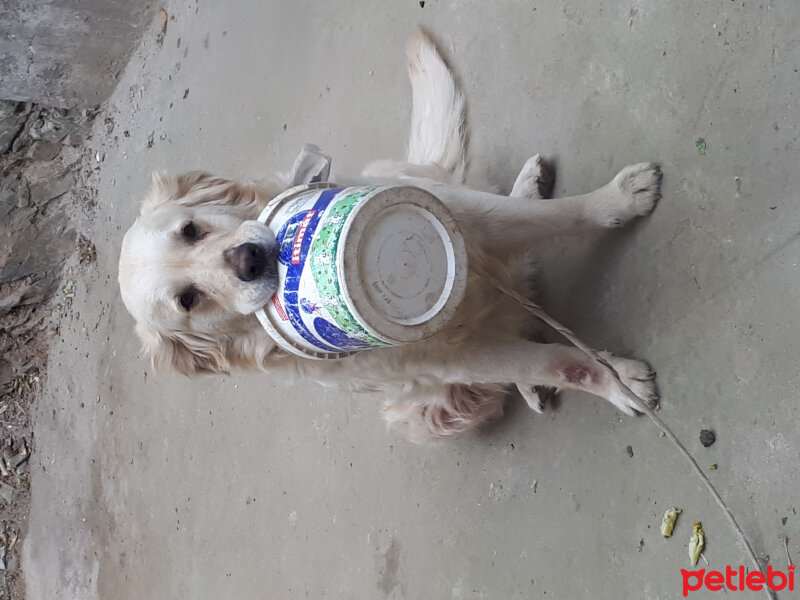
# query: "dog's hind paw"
640,187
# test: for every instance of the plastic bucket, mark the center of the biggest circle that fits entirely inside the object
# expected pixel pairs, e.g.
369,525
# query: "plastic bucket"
361,267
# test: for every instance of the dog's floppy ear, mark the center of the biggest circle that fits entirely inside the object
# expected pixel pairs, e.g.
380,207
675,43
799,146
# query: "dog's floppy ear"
197,188
178,186
170,188
184,352
192,353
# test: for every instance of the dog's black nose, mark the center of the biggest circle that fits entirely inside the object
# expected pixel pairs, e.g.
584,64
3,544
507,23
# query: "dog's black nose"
249,261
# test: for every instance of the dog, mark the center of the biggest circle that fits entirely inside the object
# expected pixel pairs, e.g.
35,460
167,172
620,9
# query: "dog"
196,265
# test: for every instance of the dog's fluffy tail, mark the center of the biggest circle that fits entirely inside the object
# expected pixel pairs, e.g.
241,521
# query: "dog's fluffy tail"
437,146
439,112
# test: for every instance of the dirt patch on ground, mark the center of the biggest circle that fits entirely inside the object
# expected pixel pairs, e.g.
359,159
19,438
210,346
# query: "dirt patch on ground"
43,157
17,441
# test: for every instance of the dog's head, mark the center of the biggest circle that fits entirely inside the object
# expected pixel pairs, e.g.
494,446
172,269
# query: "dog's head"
194,267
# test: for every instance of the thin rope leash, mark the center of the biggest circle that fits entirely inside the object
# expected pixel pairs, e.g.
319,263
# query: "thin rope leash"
539,312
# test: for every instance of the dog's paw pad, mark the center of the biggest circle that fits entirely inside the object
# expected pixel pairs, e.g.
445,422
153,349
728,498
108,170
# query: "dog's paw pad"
536,179
640,186
639,377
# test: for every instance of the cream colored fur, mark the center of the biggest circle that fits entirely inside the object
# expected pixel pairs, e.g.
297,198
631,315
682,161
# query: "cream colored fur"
435,388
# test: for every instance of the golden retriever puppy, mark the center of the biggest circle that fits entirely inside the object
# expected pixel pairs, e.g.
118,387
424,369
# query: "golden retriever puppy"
196,265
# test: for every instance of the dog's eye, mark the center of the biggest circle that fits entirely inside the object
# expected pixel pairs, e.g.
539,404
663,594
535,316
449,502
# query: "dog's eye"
190,232
189,298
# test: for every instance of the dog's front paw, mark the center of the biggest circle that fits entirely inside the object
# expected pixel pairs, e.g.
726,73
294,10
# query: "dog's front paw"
639,187
536,179
639,377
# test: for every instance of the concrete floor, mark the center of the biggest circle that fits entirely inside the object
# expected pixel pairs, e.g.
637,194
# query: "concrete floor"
153,486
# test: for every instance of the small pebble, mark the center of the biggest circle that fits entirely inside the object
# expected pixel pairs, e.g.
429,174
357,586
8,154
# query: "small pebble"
629,450
707,437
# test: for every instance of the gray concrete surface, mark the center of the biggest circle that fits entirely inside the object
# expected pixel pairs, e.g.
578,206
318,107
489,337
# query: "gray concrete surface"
67,53
153,486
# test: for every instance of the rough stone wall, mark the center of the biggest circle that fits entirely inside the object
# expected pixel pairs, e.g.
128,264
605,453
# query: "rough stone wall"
67,53
40,159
